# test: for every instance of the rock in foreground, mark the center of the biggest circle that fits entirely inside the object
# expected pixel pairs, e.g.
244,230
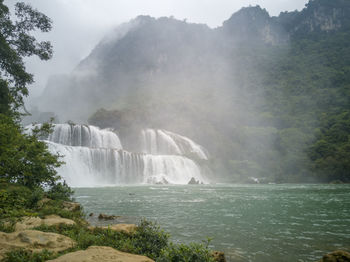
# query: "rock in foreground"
71,206
35,241
107,217
100,254
336,256
125,228
31,222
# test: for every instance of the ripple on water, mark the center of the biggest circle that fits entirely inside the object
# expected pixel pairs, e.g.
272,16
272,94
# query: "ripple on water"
259,222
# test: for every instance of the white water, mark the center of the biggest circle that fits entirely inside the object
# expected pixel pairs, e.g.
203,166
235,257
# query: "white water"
94,157
157,142
83,135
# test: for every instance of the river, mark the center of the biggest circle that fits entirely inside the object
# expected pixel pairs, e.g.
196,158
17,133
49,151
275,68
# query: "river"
255,223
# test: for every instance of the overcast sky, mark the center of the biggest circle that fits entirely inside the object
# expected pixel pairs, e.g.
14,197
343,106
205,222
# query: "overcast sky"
78,25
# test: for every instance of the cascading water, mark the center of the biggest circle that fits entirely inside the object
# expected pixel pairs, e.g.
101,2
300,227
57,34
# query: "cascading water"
157,141
83,135
95,157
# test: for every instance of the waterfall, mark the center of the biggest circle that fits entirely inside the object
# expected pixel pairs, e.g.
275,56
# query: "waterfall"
170,169
83,135
95,157
158,142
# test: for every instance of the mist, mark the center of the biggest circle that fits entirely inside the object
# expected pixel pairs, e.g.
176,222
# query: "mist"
187,78
78,26
226,85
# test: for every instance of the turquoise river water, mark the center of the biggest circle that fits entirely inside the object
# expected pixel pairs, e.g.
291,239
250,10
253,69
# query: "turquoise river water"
257,223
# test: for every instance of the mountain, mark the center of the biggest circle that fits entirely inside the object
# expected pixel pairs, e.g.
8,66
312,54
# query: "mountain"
264,95
254,24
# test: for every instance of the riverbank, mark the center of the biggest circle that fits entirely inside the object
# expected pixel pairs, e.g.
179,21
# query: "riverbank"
57,229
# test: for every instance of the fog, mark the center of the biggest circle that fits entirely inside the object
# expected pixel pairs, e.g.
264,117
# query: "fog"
195,76
78,25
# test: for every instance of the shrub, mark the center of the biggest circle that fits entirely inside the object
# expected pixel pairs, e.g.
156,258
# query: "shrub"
16,200
24,159
150,239
28,256
60,191
192,252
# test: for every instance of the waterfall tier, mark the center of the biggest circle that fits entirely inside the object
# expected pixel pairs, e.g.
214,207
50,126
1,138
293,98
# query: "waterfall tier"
102,166
82,135
162,142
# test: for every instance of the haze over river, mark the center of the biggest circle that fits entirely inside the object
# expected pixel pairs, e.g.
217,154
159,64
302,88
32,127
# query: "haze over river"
258,223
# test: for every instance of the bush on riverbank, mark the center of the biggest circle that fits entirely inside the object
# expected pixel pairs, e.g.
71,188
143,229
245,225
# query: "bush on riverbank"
148,240
17,201
193,252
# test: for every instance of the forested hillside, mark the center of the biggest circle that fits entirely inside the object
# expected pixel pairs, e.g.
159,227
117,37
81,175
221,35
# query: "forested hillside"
268,96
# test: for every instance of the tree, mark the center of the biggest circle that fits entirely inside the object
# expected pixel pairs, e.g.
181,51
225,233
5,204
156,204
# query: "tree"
24,160
16,42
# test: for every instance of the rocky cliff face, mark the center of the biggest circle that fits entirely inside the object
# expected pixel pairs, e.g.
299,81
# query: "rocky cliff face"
318,16
254,24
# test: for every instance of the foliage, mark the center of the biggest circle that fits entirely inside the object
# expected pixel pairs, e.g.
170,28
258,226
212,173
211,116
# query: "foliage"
23,159
17,200
148,239
28,256
16,42
331,151
56,207
26,165
192,252
8,226
60,191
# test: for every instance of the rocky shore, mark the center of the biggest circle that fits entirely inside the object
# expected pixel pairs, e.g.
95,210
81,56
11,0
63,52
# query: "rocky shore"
31,234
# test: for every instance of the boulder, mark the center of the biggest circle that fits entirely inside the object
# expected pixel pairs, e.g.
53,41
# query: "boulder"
31,222
27,223
163,181
218,256
336,256
100,254
193,181
125,228
35,241
71,206
43,201
107,217
53,220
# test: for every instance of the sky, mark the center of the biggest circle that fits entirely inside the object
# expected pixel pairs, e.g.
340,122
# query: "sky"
78,25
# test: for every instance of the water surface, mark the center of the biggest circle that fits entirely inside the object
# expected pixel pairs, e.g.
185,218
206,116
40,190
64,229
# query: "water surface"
258,223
